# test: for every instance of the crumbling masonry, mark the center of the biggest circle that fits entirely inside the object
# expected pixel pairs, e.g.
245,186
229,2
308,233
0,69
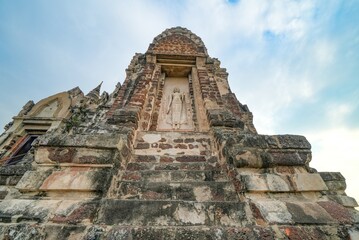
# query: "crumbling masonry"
170,154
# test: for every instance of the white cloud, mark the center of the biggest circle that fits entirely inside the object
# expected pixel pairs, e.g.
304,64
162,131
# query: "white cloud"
338,113
289,17
336,150
324,52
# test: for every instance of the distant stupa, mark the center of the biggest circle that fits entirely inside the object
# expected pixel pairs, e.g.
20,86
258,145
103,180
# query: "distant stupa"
170,154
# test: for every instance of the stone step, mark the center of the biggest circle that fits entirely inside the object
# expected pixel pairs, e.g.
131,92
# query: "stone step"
175,176
249,232
173,151
170,213
173,138
195,191
174,158
152,143
188,232
137,166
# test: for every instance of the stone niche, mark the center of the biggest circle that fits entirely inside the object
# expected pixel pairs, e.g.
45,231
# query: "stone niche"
176,106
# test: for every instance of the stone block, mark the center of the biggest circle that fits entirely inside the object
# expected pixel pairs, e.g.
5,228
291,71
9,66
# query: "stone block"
142,146
175,176
314,232
332,176
274,211
9,180
308,213
259,158
255,183
266,183
22,231
170,213
126,117
144,158
151,138
191,158
344,200
304,182
251,141
292,142
194,191
186,233
278,183
288,158
165,146
74,155
18,210
75,211
99,140
134,166
252,158
336,185
76,179
60,231
32,180
337,212
11,170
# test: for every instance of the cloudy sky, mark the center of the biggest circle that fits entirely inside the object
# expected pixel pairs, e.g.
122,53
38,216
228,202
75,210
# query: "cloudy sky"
295,63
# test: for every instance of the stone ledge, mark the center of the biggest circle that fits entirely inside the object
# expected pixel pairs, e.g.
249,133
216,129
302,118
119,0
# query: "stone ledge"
14,169
170,213
344,200
262,141
273,211
259,158
336,186
137,166
283,183
17,210
98,140
62,231
289,212
76,179
175,176
194,191
332,176
79,155
309,213
32,180
308,182
75,211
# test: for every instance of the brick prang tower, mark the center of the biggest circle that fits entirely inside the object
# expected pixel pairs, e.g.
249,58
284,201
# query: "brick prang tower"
170,154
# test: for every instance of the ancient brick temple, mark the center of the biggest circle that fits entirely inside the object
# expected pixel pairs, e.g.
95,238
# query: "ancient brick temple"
170,154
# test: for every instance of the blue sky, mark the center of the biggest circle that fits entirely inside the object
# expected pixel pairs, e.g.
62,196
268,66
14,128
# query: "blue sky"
295,63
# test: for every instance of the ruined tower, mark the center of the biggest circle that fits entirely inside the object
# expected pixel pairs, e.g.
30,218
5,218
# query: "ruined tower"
170,154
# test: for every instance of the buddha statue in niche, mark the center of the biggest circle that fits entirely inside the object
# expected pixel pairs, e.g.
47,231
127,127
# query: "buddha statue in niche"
176,109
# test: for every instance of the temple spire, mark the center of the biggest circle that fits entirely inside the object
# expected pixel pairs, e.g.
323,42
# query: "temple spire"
95,93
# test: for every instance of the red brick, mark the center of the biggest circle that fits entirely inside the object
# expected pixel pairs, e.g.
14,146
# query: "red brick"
165,146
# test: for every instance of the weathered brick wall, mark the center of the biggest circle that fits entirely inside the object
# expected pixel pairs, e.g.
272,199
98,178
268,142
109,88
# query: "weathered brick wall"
209,87
179,41
139,95
176,44
134,73
151,106
158,89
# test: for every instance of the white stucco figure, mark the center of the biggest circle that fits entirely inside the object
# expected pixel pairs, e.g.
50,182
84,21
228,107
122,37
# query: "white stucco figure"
176,110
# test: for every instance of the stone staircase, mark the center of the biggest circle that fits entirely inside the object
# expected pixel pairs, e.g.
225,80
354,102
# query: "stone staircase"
175,182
